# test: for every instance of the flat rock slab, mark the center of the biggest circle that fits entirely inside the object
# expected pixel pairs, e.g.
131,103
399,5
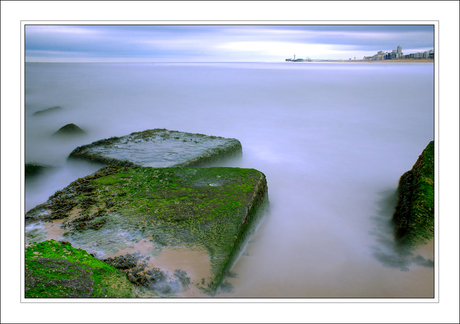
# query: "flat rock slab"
158,148
153,210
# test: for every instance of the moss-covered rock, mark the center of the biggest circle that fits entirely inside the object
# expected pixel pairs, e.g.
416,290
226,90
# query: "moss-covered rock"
414,214
57,270
158,148
211,209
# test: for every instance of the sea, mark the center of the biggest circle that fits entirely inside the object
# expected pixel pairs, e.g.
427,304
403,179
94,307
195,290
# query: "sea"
332,138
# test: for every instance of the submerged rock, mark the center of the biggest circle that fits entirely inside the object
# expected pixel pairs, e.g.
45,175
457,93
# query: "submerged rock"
48,110
414,214
206,209
158,148
32,169
69,130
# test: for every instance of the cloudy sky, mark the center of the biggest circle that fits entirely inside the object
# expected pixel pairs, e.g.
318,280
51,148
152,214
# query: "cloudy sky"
218,43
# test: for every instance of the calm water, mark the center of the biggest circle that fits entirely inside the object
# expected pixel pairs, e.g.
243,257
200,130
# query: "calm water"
332,139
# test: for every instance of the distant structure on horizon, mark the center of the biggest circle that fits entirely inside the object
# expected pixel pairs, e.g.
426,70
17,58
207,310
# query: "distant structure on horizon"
398,54
298,60
395,54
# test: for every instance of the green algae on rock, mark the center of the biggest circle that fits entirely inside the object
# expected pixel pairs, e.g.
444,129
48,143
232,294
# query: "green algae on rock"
414,214
57,270
207,209
159,148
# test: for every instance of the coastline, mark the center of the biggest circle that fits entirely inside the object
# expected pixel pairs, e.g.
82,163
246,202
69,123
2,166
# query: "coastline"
383,61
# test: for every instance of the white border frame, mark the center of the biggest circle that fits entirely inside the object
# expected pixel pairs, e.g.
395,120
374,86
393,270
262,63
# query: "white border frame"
446,310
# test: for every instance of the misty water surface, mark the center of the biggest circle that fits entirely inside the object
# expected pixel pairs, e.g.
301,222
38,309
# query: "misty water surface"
332,139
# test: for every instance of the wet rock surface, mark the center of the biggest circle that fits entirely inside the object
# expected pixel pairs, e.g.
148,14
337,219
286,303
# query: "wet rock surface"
138,196
211,209
136,268
59,205
414,213
90,221
159,148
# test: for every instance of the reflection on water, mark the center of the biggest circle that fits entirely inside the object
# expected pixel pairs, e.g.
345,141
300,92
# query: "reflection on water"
332,139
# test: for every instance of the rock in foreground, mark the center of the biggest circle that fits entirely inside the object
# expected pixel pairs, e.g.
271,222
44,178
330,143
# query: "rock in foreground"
414,215
200,209
57,270
158,148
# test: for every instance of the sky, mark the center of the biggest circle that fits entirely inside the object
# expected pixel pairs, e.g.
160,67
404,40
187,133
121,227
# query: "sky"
218,43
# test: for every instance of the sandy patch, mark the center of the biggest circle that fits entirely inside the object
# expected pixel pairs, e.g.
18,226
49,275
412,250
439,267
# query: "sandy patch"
426,251
53,230
196,263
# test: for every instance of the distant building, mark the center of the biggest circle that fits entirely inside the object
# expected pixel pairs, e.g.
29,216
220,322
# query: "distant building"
381,55
398,54
395,54
298,59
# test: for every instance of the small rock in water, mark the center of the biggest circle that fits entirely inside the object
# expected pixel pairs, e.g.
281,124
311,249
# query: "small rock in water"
69,129
48,110
32,169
